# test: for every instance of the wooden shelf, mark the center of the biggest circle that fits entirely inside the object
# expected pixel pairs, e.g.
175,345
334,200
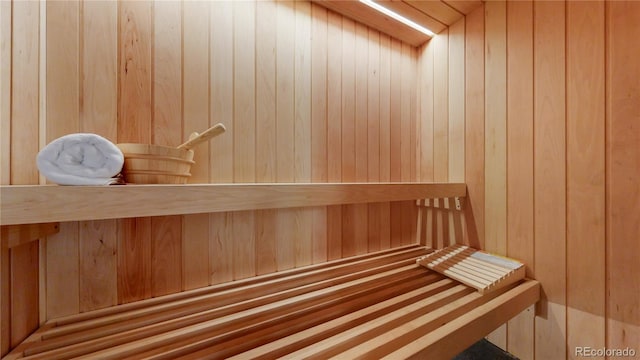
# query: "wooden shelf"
29,204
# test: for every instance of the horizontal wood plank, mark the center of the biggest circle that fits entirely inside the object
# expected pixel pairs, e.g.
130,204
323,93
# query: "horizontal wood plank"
39,204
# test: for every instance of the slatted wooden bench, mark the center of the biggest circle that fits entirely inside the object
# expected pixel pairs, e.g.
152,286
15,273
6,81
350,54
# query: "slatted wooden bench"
372,306
378,305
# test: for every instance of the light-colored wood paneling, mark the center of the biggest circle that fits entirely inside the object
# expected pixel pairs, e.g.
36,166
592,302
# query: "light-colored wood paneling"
520,234
221,108
303,233
441,107
623,169
135,124
285,118
196,114
381,22
98,250
334,138
585,93
495,124
244,133
24,291
373,135
348,132
546,165
550,178
98,109
63,117
319,121
456,134
134,259
439,10
360,212
395,140
474,127
464,6
385,135
266,125
140,72
5,94
166,233
21,263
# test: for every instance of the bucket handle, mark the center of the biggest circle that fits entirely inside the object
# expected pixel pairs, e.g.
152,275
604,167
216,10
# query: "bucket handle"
196,138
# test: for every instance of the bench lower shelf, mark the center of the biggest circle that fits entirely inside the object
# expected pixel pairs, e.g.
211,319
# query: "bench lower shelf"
371,306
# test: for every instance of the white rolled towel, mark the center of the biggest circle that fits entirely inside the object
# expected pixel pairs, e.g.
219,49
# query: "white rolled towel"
80,159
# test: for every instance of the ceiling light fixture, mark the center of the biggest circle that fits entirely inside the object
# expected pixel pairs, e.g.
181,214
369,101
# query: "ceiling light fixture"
397,17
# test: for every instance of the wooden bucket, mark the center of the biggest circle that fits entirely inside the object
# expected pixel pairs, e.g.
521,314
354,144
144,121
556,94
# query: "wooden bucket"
155,164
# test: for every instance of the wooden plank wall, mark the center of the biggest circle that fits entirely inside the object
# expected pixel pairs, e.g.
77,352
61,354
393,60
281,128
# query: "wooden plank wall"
289,80
552,107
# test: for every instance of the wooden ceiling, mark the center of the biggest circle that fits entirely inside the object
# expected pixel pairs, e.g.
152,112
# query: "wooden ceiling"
435,15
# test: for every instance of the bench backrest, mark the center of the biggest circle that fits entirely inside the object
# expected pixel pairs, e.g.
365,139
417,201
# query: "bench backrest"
441,222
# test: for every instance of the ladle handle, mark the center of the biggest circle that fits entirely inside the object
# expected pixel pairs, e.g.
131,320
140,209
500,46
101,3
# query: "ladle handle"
215,130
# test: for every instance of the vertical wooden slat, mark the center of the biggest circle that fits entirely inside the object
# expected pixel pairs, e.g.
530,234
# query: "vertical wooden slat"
385,135
24,291
98,264
134,125
348,130
166,255
195,113
166,234
520,161
361,211
135,36
221,85
496,138
302,127
441,106
266,169
63,117
456,101
334,124
24,93
285,125
395,135
5,298
585,46
220,247
549,178
406,130
62,264
474,127
495,127
6,67
319,120
244,169
441,125
195,85
134,259
456,117
373,135
623,170
221,156
426,92
98,114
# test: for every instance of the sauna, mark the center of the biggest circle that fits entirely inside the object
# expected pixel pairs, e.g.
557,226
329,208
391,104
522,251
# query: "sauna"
356,148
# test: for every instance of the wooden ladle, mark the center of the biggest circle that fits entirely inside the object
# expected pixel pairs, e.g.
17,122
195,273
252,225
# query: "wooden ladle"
195,138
